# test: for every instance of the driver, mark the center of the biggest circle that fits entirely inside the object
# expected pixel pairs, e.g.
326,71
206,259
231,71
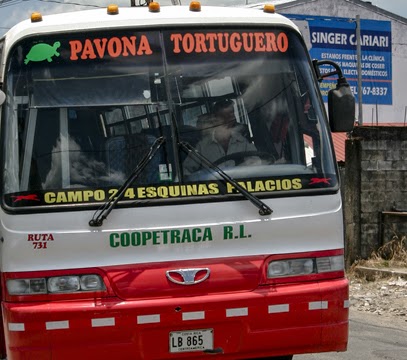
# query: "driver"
224,138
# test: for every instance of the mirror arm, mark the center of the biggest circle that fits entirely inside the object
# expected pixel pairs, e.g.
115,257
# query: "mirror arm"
320,77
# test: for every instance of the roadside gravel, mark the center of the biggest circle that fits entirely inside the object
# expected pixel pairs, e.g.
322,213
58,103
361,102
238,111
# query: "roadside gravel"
386,297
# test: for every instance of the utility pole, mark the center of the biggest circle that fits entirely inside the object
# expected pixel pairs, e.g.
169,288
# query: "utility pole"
359,64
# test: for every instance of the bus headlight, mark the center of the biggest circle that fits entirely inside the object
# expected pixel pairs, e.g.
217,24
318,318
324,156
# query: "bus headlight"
290,267
26,286
72,283
63,284
305,266
92,283
55,285
330,263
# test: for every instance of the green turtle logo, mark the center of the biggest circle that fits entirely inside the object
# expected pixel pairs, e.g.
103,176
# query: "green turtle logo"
41,52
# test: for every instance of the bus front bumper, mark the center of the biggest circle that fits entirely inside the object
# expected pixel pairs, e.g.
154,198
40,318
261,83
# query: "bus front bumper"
270,321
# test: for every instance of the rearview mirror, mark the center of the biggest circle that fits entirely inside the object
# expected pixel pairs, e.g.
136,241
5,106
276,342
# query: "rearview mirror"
341,102
341,107
2,97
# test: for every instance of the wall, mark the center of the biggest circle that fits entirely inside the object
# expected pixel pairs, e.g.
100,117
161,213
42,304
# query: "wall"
375,181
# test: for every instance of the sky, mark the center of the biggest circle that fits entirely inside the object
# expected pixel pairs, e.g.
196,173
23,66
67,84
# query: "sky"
13,11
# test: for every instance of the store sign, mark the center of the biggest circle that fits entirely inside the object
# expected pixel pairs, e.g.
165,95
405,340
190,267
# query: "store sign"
331,38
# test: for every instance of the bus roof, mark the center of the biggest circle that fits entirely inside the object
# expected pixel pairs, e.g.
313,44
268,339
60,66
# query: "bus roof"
133,17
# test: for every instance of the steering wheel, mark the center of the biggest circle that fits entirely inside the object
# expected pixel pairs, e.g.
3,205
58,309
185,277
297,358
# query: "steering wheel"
239,157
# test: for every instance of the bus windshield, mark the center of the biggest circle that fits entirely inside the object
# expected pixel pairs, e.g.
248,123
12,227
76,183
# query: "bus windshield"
82,110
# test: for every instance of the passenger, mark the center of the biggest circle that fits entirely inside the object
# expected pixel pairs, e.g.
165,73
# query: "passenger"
224,139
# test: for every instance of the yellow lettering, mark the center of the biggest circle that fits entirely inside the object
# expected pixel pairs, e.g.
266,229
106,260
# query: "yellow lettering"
61,197
49,197
74,196
141,193
213,188
297,184
151,192
259,186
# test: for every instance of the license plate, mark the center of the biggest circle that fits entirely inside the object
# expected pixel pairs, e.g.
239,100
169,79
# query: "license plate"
191,340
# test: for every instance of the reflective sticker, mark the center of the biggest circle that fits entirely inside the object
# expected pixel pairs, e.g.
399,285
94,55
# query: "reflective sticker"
318,305
103,322
16,327
56,325
194,315
275,309
148,319
237,312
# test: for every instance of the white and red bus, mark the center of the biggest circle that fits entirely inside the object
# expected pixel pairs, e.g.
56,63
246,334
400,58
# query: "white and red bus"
112,247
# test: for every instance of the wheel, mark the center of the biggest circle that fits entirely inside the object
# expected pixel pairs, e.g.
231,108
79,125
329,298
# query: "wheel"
239,158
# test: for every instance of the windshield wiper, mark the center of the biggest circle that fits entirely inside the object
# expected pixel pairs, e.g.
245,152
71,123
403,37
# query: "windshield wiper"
109,205
263,208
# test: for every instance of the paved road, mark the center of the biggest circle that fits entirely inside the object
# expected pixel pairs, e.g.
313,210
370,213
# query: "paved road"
371,337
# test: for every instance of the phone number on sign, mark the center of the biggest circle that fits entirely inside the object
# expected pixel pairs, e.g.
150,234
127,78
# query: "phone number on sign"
380,91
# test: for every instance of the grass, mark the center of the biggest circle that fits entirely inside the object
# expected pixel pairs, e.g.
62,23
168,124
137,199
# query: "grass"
393,254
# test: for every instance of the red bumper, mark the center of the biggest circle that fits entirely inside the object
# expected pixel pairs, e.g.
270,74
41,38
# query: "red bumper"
271,321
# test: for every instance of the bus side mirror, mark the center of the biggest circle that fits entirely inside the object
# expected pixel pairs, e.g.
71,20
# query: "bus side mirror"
341,102
2,97
341,107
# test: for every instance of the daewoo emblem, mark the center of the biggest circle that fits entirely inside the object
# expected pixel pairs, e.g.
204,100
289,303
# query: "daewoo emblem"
188,276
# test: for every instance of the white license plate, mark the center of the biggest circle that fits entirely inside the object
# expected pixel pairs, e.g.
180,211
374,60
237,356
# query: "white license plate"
191,340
